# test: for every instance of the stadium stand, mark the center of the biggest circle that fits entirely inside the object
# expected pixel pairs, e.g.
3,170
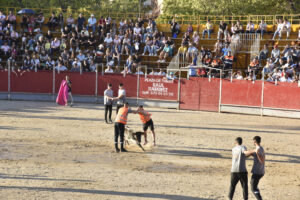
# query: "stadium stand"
246,46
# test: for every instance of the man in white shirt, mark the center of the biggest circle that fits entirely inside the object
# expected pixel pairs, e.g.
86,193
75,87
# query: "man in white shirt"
108,40
139,71
137,31
161,73
279,29
153,73
60,68
92,23
286,27
5,48
262,28
55,44
109,70
80,56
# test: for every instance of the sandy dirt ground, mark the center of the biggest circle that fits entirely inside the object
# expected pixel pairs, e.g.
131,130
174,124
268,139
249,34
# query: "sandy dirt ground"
52,152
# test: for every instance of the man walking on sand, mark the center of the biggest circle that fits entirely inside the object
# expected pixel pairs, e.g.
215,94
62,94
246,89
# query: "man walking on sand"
147,122
258,169
238,169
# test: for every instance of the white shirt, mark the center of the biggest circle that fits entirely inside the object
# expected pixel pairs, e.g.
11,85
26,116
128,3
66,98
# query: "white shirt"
280,26
108,40
161,73
153,73
287,25
137,30
61,68
5,48
92,21
139,72
109,71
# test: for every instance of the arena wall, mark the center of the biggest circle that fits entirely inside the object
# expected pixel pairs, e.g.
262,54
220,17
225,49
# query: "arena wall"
237,96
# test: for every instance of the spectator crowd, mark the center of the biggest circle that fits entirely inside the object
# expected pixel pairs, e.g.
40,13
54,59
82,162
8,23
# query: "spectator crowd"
81,44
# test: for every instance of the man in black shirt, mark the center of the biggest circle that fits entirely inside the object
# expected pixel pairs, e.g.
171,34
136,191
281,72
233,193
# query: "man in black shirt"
222,29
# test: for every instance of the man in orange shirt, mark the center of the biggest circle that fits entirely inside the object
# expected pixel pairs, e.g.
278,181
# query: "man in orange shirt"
120,122
147,122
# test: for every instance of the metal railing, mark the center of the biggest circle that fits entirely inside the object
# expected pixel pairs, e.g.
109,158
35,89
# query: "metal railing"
215,19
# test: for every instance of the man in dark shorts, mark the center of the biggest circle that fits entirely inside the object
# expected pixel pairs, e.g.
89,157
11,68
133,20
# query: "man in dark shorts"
258,169
69,83
147,122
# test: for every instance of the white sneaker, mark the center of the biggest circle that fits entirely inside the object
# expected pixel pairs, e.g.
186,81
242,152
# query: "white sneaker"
163,61
159,61
143,54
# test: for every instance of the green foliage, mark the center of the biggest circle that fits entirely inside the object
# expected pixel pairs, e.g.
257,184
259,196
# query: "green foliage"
92,5
231,7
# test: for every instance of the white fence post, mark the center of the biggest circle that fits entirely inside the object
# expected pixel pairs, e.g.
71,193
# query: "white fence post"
262,94
53,83
178,95
8,78
220,94
138,88
96,83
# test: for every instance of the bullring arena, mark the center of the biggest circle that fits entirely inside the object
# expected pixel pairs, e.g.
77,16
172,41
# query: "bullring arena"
51,152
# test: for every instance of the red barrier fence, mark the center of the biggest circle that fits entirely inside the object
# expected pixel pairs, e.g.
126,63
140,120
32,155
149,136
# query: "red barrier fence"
241,92
154,87
283,95
81,84
31,82
200,94
195,93
3,81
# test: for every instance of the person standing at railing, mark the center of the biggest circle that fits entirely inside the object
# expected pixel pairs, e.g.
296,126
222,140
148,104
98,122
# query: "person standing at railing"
80,22
175,28
52,22
11,19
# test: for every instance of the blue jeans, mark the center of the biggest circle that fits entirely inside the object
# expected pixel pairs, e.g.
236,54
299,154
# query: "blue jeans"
148,48
276,33
93,27
208,32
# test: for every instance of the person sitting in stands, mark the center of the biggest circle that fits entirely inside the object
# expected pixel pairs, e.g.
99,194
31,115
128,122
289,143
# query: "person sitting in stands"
165,53
262,28
109,70
250,27
208,29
